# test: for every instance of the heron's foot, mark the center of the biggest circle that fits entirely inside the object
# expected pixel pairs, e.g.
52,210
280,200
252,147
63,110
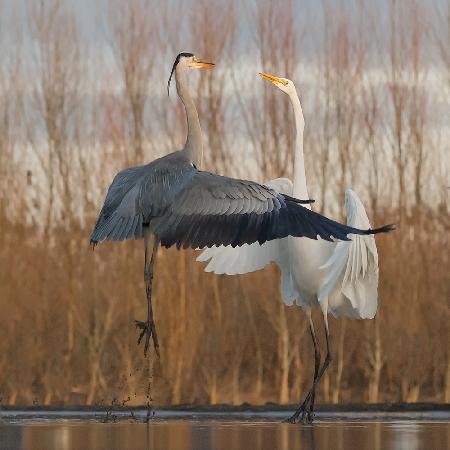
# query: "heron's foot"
148,329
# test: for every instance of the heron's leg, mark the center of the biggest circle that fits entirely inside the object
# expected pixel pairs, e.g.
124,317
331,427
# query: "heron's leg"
148,328
311,394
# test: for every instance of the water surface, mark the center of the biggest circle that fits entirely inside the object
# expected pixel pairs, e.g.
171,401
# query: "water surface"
219,434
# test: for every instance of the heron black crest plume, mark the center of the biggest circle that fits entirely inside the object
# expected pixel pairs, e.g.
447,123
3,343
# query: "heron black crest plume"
177,60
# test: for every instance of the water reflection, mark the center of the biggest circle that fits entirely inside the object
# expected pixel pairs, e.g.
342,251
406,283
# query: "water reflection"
217,435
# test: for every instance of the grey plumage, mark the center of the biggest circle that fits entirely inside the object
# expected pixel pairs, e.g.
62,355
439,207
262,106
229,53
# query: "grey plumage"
186,207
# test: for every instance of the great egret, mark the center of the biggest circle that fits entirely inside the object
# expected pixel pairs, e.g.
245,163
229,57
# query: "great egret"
181,205
338,277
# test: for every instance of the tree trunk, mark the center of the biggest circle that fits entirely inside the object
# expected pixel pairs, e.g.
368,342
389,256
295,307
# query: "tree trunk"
374,383
340,362
258,353
93,381
326,387
180,336
235,393
296,391
283,348
447,383
213,388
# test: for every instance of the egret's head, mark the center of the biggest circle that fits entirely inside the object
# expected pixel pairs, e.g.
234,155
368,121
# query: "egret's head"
287,86
188,61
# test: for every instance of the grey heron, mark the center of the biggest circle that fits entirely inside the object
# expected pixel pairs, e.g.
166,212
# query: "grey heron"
338,277
178,204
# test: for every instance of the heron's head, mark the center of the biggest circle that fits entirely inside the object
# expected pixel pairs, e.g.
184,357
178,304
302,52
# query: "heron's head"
188,61
287,86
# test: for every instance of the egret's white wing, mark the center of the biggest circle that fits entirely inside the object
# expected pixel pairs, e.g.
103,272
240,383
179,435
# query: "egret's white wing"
247,258
352,269
281,185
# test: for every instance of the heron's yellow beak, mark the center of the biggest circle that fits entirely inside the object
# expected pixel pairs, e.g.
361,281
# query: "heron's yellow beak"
196,64
273,79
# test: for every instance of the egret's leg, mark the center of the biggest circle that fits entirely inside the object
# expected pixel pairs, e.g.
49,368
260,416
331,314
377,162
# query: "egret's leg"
316,361
309,409
309,398
305,410
307,415
148,328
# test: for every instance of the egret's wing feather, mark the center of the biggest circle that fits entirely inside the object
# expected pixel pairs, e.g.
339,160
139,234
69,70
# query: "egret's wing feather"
281,185
352,269
237,260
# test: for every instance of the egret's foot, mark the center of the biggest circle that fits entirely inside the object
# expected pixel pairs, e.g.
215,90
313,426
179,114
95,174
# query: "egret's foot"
295,418
303,417
304,413
307,417
308,413
148,329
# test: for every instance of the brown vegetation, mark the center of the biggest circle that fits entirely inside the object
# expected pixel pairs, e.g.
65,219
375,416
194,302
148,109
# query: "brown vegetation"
375,92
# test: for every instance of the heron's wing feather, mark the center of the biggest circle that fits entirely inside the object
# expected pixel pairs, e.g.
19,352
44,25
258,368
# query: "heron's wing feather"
186,207
352,269
119,217
139,193
249,257
213,210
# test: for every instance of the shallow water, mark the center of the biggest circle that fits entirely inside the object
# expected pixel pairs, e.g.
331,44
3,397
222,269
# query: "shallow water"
219,434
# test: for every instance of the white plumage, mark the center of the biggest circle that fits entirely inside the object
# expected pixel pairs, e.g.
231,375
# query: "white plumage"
339,277
351,281
344,274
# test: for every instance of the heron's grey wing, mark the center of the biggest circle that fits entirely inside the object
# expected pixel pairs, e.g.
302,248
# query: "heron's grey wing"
252,257
249,257
214,210
119,217
139,193
352,269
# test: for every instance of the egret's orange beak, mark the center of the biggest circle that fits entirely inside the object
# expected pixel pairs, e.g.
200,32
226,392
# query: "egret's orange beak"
273,79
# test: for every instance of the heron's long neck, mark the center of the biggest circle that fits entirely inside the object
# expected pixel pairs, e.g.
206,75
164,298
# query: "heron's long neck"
194,145
300,189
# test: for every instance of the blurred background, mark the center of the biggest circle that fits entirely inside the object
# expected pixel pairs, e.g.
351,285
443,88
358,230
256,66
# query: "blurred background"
83,95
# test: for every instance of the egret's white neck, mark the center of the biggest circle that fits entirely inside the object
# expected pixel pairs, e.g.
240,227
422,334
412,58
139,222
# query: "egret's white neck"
299,181
194,144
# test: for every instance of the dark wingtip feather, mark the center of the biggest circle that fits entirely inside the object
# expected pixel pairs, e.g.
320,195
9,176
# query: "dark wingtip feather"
383,229
305,202
296,200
